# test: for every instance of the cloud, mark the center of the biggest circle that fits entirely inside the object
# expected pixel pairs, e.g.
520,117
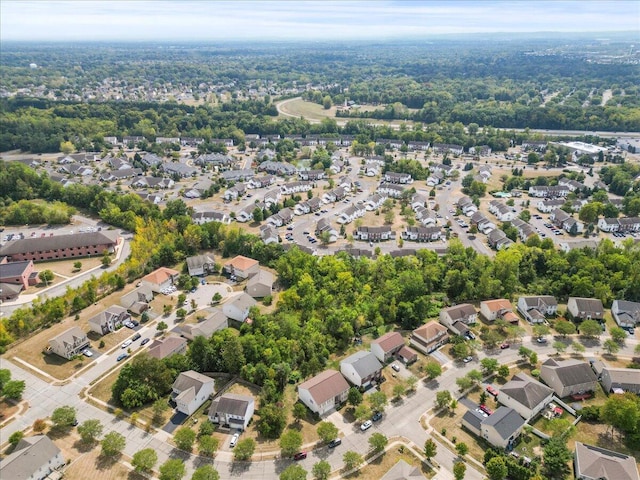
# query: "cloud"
316,20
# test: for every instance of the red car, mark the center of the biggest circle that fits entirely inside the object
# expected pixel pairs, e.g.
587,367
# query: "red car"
492,391
486,409
504,345
300,456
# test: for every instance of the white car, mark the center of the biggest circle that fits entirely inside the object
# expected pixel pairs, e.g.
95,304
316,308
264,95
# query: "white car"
234,440
127,343
366,425
87,353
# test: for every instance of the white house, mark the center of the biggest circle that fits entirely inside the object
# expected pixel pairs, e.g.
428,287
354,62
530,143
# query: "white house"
361,369
525,395
626,314
503,212
536,308
261,284
467,206
391,190
465,313
190,390
108,320
500,308
548,206
385,347
33,458
585,308
232,410
350,213
237,308
69,343
322,393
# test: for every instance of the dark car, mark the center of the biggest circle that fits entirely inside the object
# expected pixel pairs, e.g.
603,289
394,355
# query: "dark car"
377,417
335,443
135,323
136,337
300,456
145,341
122,356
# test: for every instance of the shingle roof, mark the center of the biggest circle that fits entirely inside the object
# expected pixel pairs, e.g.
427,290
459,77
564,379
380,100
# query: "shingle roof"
31,454
526,390
473,418
190,379
430,330
13,269
163,348
597,463
160,275
403,471
263,277
199,261
505,420
389,341
56,242
325,385
231,404
460,311
364,363
241,263
570,371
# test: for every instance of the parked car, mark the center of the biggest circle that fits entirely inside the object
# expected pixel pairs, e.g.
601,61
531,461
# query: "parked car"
122,356
87,353
541,340
135,323
376,417
467,359
334,443
145,341
136,337
300,456
504,345
126,343
234,440
486,409
492,391
396,367
366,425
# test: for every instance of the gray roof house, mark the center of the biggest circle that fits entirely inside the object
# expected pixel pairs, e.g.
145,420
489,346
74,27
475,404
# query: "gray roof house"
595,463
181,169
585,308
626,314
200,265
190,390
465,313
502,427
237,308
33,458
108,320
525,395
403,471
233,410
214,320
138,300
261,284
361,369
620,380
568,377
536,308
69,343
322,393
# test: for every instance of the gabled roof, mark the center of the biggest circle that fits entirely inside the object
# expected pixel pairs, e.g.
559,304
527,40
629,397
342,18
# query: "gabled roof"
14,269
460,311
588,305
241,263
364,363
70,336
505,421
230,404
325,385
56,242
403,471
161,275
190,379
31,454
598,463
570,371
263,277
497,305
536,300
430,330
199,261
389,341
473,418
526,390
162,348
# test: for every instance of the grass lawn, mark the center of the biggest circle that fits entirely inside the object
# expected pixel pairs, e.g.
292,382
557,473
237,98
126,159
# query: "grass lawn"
381,465
66,268
7,408
309,110
452,422
102,389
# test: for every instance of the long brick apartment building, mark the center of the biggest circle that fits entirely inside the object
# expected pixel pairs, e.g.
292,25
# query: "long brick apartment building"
60,247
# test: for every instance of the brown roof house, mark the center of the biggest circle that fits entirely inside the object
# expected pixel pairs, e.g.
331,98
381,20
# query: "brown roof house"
407,355
18,273
322,393
525,395
69,343
429,337
232,410
465,313
160,279
620,380
585,308
168,346
385,347
595,463
190,390
33,458
200,265
568,377
242,267
501,308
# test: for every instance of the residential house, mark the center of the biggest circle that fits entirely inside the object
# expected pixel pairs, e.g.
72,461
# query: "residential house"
595,463
109,320
76,169
534,146
391,190
401,178
480,150
117,175
235,192
161,140
563,220
132,140
350,213
245,214
277,168
498,239
446,170
295,187
467,206
237,308
415,145
227,142
190,390
200,218
426,217
153,182
500,429
69,343
483,224
568,377
271,198
309,206
151,160
191,141
216,160
210,320
371,169
423,234
374,234
536,308
448,148
238,175
629,224
311,175
138,300
324,392
362,369
625,313
419,200
33,458
403,471
385,347
261,284
261,182
181,170
153,198
525,395
525,231
334,195
407,355
168,346
324,227
435,178
201,265
503,212
232,410
501,308
543,191
572,185
608,224
585,308
283,217
429,337
618,380
160,279
198,189
548,206
59,247
465,313
242,267
269,234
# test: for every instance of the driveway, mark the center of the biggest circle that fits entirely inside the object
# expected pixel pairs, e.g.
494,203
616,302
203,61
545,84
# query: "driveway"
440,357
175,421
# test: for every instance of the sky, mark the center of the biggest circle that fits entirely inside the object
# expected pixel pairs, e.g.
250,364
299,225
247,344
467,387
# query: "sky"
188,20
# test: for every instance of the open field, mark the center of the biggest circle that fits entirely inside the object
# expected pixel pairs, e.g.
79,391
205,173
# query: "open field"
381,465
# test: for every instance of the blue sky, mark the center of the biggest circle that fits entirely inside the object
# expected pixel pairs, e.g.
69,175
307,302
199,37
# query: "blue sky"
173,20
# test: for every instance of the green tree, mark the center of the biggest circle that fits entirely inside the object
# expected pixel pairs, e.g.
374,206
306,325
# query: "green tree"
144,460
398,390
112,444
77,265
578,347
15,438
378,400
590,328
503,371
47,276
462,449
460,350
362,412
464,383
181,313
321,470
290,443
540,330
158,408
610,346
299,411
244,449
497,468
63,417
351,459
489,365
326,102
327,431
443,399
293,472
13,389
207,445
556,455
430,449
172,469
459,470
258,215
378,442
559,347
412,381
618,335
90,430
564,328
354,396
184,438
5,376
106,259
205,472
433,370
